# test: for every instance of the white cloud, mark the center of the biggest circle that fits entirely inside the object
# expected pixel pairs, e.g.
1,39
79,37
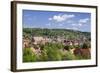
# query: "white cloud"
48,24
77,24
60,24
84,20
60,18
72,28
80,24
74,24
68,28
50,18
70,21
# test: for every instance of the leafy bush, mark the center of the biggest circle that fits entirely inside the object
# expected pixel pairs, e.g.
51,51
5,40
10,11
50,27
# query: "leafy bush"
68,56
77,46
81,57
85,46
59,45
52,52
28,55
43,56
68,47
78,57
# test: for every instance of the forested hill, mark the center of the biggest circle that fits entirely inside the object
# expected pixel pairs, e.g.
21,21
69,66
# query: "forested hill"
65,33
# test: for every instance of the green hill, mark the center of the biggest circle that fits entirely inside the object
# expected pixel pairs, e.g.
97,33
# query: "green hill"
54,33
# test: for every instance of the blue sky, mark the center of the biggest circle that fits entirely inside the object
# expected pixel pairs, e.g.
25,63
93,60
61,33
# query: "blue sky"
56,20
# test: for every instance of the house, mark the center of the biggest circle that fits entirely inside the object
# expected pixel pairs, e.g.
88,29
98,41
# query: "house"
40,40
68,42
75,42
37,39
26,43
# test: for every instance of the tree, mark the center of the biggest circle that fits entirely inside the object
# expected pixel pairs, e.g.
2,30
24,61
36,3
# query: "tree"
85,46
68,47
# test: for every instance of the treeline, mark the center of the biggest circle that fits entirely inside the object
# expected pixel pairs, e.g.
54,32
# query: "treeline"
65,33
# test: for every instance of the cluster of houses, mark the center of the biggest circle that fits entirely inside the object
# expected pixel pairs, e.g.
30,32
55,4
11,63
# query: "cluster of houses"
43,40
29,43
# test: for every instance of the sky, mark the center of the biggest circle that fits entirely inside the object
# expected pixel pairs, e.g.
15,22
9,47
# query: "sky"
56,20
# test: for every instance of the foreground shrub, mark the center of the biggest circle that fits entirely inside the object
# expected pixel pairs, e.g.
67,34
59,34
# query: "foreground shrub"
43,56
68,56
68,47
82,53
77,46
85,46
52,52
28,55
